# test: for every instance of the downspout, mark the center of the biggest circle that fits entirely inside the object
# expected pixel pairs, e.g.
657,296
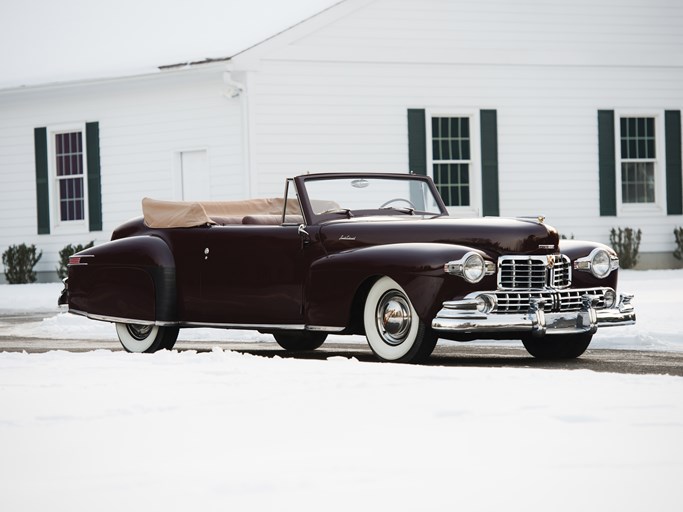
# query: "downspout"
233,89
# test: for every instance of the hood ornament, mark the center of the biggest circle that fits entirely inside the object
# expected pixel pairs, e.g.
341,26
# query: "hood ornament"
540,219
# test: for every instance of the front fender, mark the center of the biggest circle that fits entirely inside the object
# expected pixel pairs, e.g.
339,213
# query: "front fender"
575,249
128,279
335,280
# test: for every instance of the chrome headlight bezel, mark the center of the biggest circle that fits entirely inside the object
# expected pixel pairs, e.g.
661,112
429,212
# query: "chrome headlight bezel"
600,262
472,267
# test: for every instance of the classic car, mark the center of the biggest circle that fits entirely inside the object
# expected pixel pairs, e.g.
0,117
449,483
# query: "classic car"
369,254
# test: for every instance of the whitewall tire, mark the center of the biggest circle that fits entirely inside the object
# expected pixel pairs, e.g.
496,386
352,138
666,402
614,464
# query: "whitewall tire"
146,338
392,327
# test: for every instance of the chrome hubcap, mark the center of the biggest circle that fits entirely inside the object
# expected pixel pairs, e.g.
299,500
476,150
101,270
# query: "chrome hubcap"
393,318
139,332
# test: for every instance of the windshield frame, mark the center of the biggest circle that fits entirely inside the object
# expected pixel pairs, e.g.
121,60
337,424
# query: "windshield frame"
313,218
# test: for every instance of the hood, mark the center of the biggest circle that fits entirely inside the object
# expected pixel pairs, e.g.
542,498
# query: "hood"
495,236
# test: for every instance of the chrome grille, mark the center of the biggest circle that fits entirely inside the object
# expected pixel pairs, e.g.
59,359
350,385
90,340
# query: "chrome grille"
560,300
534,272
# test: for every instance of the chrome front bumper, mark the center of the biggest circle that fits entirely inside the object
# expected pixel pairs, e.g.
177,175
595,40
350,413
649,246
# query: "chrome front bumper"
463,316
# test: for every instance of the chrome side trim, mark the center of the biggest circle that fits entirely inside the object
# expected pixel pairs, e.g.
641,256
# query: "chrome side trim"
324,328
121,320
265,327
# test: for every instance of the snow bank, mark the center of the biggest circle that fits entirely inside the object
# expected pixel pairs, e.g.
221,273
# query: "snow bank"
227,431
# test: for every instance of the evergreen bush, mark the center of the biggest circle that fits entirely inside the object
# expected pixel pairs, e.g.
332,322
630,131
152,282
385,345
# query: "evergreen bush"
66,253
678,234
19,261
626,243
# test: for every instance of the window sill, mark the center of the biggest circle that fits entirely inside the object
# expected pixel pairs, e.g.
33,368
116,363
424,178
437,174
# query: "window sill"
71,228
641,210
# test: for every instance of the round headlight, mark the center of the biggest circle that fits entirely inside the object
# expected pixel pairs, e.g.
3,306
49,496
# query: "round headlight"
601,264
474,268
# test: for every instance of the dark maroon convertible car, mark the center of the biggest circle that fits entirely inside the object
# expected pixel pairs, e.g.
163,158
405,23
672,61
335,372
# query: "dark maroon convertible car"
371,254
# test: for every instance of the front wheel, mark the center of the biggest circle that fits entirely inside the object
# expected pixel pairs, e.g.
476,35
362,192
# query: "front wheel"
297,341
556,347
146,338
392,327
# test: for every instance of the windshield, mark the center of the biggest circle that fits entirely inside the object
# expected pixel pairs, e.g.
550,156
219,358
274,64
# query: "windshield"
368,195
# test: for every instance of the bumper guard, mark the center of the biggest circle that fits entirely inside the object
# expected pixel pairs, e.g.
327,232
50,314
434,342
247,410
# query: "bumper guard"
463,316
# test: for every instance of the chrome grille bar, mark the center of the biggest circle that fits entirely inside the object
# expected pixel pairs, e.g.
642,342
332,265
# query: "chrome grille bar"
534,272
559,300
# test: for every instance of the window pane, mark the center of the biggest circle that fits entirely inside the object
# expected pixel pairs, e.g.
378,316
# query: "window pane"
435,126
465,127
69,154
69,172
450,138
71,200
444,127
638,144
452,181
436,149
637,137
445,150
451,141
455,126
456,154
637,182
465,149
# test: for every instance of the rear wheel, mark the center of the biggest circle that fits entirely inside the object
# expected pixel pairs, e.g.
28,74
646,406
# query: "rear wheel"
562,346
146,338
297,341
392,327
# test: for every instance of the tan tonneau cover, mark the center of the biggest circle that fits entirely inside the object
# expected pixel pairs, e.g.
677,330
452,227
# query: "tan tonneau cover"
186,214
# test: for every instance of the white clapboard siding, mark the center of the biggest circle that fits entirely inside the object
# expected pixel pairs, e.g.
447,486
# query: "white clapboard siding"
333,95
144,122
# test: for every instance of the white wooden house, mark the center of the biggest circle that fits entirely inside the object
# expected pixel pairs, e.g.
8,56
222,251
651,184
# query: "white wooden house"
568,109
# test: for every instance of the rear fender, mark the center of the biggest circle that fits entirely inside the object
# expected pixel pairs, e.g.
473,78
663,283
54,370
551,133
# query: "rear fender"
418,267
127,279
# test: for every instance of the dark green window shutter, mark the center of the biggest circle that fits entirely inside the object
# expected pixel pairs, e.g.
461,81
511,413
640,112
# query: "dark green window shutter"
42,184
489,162
674,187
417,141
607,163
92,142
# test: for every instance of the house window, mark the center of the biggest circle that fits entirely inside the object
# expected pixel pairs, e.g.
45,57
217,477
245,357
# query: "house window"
69,176
638,159
451,159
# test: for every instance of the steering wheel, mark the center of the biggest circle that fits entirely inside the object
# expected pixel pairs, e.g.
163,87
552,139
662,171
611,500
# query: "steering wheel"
396,199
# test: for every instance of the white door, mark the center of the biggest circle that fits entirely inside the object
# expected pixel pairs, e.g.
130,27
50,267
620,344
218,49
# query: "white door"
194,176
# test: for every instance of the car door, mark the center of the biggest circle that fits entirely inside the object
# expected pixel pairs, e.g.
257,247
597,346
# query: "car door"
253,275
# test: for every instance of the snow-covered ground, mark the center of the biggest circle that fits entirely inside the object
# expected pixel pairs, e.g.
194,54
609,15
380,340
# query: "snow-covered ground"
227,431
